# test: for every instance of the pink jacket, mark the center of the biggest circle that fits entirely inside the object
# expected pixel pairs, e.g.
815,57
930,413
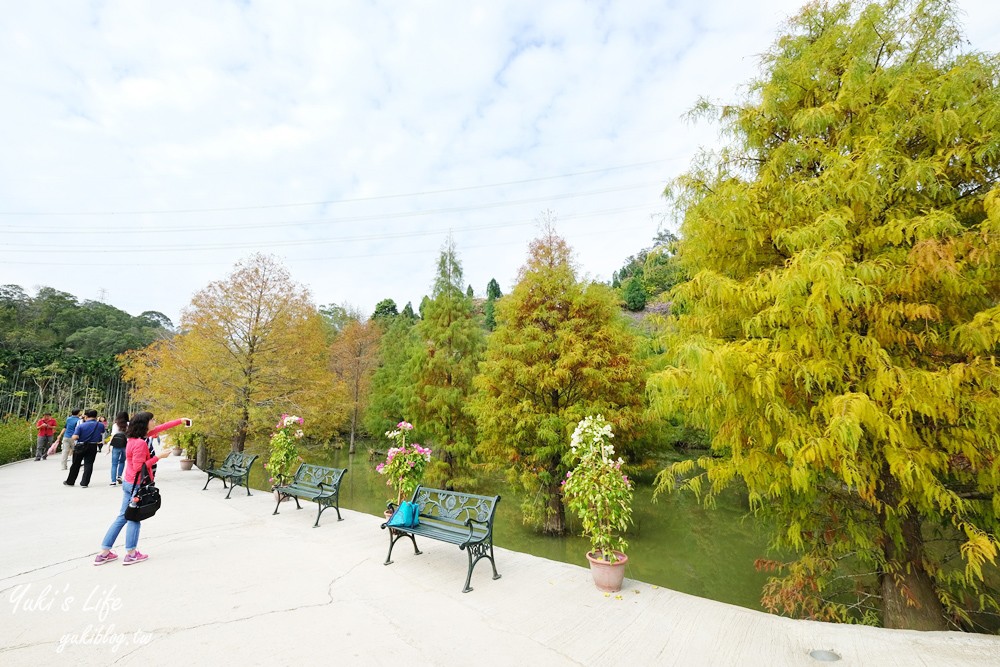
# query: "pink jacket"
137,452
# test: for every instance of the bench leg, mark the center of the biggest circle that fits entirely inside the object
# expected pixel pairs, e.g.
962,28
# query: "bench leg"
207,481
482,550
277,505
394,535
324,506
231,487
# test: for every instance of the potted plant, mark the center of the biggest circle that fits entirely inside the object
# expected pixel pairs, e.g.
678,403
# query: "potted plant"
404,464
283,452
175,449
186,439
599,493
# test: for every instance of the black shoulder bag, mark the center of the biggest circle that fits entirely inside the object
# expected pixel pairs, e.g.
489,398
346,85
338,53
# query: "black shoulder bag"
145,497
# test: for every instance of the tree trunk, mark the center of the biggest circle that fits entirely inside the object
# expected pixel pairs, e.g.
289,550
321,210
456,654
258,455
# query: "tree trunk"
354,421
910,603
240,436
555,518
909,599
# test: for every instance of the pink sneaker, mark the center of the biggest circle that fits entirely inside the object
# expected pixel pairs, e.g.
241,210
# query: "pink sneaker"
105,558
133,558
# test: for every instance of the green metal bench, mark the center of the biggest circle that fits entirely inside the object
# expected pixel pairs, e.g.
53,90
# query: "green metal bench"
464,519
316,483
236,469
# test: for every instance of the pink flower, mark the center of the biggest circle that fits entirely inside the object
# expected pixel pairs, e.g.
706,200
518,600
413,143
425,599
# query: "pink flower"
404,426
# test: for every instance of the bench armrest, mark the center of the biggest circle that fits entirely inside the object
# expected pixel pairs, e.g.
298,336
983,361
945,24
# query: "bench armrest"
469,524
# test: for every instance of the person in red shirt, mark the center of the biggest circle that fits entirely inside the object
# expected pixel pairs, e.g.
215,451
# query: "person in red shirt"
46,429
142,428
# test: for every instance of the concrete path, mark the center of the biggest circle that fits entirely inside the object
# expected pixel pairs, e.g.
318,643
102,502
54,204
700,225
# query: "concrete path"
227,582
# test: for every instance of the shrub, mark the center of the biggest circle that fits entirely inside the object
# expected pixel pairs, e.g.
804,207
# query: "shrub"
17,441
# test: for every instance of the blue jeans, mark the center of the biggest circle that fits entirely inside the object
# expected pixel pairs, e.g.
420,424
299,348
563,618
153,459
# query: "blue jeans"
131,527
117,462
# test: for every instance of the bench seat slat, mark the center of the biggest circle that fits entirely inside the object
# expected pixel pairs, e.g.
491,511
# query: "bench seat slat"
235,469
305,485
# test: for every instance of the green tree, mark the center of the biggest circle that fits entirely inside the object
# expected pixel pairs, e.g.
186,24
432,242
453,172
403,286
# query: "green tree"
444,363
489,308
560,351
489,315
78,340
634,294
408,311
841,327
391,384
656,266
385,309
493,290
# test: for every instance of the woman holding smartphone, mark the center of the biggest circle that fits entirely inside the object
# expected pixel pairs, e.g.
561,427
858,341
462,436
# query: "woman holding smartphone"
138,451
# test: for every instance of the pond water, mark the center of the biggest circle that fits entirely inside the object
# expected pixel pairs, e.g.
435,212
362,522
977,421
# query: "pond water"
674,542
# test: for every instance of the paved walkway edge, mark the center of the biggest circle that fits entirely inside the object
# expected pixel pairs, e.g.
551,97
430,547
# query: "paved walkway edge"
227,581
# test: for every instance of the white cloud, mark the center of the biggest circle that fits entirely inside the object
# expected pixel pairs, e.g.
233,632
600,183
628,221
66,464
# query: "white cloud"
124,106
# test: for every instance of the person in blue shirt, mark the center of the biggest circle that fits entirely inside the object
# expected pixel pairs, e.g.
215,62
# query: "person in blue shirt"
88,434
66,435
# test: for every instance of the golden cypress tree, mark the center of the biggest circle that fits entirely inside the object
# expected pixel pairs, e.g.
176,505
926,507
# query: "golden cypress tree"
560,351
252,346
840,331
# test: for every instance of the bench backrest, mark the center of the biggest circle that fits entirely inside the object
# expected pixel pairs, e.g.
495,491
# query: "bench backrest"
241,460
454,507
311,475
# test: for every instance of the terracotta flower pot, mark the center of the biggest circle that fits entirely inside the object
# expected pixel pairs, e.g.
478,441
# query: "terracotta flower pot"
186,464
608,576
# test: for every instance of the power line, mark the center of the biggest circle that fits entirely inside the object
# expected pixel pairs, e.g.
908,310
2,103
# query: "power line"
333,201
228,245
368,255
322,221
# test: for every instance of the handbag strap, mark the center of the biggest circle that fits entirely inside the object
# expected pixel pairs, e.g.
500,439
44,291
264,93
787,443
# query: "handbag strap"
144,471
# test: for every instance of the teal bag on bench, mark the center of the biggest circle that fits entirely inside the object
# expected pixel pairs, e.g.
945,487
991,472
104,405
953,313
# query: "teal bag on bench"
405,516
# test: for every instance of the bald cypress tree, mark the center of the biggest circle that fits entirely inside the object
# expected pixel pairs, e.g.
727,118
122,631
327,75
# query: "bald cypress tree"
449,345
840,333
560,351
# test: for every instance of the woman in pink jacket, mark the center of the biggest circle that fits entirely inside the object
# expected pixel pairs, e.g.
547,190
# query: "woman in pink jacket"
141,428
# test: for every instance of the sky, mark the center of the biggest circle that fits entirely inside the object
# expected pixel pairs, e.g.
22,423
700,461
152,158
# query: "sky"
148,147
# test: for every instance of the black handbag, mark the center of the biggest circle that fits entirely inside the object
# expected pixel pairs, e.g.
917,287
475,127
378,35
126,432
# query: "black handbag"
145,497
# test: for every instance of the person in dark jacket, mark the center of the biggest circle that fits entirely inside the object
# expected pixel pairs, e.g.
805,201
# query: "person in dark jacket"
88,434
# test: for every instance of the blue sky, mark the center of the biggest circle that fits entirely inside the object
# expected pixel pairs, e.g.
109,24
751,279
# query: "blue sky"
150,146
